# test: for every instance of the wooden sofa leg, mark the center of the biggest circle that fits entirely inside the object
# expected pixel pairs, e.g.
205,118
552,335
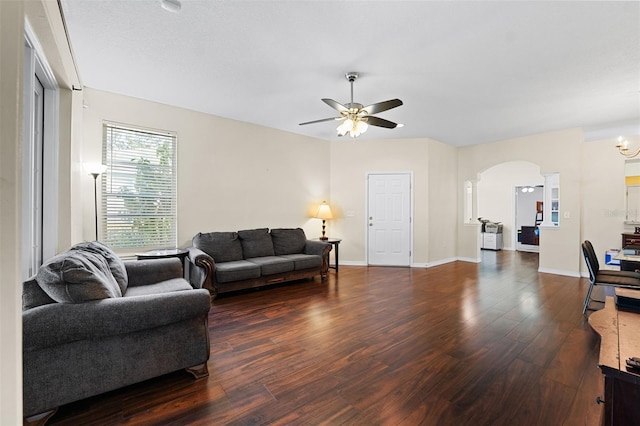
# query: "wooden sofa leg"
39,419
198,371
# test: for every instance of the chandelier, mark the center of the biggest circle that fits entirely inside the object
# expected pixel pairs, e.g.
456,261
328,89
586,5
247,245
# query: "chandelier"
623,148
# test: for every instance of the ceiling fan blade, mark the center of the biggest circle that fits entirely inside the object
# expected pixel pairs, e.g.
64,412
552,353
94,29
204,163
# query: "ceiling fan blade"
382,106
380,122
322,120
335,105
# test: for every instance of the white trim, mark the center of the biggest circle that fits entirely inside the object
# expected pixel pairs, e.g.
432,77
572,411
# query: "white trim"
559,272
366,212
353,263
469,259
39,66
441,262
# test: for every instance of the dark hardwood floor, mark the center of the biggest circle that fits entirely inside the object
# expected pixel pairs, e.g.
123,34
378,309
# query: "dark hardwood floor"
495,343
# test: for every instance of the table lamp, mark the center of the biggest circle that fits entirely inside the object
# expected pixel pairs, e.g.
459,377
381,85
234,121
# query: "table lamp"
324,213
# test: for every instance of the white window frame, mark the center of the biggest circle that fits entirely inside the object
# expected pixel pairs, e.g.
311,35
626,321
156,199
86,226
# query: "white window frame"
36,65
155,225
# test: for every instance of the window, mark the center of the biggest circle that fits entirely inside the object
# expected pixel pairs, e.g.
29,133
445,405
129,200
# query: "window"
468,202
139,189
39,234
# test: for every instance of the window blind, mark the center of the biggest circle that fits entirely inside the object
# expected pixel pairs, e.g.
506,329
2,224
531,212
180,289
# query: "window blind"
139,189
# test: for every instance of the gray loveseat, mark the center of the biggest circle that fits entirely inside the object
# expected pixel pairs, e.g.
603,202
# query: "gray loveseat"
92,323
256,257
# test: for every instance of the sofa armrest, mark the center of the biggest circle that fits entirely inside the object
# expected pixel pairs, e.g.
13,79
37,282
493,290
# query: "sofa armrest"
151,271
201,268
318,248
59,323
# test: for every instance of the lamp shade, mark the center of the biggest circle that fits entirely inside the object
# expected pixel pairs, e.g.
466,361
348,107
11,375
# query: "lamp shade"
94,168
324,211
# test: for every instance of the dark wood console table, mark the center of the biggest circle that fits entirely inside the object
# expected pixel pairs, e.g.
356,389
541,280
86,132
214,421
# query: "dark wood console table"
620,339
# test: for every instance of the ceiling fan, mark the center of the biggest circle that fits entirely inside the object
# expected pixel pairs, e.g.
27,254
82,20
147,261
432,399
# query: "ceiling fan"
355,117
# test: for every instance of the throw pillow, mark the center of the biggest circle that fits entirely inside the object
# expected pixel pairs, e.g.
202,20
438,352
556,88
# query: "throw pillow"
75,276
222,246
256,243
288,240
116,265
33,295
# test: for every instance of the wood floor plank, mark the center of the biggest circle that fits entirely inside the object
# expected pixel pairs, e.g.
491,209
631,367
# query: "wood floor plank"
495,343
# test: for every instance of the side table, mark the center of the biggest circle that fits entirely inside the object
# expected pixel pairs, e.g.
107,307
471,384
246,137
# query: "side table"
335,242
164,253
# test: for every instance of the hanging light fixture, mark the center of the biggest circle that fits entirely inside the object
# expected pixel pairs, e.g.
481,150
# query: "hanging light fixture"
354,126
623,148
171,5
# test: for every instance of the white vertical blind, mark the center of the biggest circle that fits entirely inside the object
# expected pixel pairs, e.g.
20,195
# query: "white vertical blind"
138,189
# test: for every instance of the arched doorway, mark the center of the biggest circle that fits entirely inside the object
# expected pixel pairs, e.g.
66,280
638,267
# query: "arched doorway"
497,200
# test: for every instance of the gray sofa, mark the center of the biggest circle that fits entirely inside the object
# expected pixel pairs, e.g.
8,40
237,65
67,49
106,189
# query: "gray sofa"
231,261
93,323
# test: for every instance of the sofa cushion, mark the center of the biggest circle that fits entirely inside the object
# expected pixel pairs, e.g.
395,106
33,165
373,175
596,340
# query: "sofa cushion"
272,264
236,271
115,263
304,261
77,276
174,284
256,242
221,246
288,240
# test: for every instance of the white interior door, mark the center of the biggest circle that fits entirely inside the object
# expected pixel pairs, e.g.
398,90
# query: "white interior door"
389,219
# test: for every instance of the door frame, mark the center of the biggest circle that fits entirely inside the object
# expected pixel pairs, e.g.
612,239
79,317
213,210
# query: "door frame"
366,211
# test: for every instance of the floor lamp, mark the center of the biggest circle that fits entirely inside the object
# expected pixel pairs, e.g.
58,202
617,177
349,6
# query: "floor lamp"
95,170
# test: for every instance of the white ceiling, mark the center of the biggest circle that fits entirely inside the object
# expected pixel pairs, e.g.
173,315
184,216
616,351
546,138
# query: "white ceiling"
468,72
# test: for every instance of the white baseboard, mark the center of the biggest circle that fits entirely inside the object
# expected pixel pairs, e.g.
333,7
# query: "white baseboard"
469,259
559,272
353,263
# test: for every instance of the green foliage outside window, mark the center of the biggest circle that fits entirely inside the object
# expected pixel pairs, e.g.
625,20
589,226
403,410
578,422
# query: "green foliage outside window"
139,189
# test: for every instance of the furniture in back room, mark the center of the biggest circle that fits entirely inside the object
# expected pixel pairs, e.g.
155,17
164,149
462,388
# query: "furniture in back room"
92,323
490,235
619,332
630,239
529,235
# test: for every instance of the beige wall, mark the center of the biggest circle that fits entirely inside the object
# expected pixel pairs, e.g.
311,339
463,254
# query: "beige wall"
431,164
603,209
11,53
231,175
443,203
555,152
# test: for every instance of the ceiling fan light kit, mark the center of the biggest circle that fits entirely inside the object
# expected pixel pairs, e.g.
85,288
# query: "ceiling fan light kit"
357,118
171,5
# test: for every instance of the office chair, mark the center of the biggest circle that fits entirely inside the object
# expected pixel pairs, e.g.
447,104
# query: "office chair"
623,279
